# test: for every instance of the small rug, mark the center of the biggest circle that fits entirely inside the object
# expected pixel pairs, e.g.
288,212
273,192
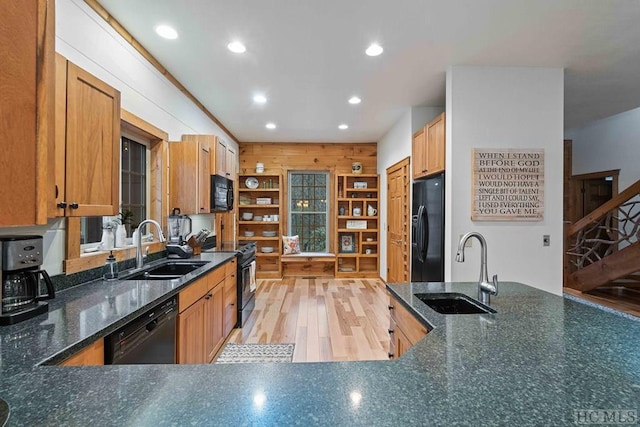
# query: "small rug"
256,353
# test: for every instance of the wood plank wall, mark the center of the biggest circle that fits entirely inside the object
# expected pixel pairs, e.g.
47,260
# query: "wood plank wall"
279,158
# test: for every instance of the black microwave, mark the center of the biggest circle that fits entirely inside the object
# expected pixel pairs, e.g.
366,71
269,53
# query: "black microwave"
221,194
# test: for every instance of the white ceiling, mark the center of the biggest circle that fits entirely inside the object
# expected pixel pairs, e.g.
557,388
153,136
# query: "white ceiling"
307,56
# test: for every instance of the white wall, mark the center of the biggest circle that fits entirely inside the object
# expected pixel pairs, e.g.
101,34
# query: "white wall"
505,107
392,148
606,144
88,41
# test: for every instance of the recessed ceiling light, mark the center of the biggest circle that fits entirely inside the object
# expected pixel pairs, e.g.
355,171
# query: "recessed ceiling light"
374,50
343,127
236,47
259,99
355,100
270,125
166,32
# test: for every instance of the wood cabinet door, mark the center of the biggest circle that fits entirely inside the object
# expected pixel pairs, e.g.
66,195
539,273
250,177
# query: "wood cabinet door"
183,176
26,84
402,343
91,355
221,158
204,178
214,321
230,300
92,146
191,326
436,145
419,154
231,162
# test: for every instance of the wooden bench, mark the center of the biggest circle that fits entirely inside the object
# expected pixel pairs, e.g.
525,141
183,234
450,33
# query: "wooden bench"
308,264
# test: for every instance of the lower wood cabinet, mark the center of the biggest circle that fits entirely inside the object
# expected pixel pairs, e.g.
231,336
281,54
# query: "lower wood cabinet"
230,300
404,329
91,355
202,321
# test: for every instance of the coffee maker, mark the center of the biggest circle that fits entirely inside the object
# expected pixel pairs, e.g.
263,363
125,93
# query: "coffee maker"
179,229
20,261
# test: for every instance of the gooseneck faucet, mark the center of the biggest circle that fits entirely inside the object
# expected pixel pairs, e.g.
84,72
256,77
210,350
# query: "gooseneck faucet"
485,288
138,240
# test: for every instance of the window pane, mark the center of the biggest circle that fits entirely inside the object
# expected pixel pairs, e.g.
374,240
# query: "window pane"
308,209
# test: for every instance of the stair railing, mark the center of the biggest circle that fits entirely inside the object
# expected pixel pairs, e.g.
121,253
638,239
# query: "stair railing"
612,226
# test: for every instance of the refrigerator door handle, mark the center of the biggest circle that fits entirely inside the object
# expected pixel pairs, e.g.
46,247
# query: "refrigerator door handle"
420,234
425,233
414,225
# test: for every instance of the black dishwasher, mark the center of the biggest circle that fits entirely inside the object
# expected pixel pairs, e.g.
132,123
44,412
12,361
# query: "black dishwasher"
149,339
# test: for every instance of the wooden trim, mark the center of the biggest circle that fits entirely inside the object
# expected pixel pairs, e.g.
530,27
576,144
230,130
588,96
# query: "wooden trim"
595,175
613,267
100,10
137,125
605,208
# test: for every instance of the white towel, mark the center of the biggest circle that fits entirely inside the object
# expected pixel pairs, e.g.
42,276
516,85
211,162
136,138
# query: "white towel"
252,277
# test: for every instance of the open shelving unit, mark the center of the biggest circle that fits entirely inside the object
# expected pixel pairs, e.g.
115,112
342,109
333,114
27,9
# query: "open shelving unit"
357,232
269,186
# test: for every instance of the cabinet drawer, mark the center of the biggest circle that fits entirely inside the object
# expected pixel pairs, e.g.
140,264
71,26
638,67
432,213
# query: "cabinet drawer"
412,328
230,267
193,293
216,276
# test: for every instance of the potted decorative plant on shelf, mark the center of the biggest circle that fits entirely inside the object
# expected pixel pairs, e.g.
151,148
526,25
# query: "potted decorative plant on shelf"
124,219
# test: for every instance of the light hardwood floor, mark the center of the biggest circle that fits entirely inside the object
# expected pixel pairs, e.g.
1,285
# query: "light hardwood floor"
328,319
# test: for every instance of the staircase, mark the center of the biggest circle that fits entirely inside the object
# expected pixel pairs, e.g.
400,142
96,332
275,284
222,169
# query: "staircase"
603,247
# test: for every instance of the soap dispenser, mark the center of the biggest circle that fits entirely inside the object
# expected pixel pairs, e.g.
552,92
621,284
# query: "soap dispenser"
111,268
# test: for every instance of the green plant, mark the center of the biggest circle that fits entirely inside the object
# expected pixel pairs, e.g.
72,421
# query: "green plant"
125,218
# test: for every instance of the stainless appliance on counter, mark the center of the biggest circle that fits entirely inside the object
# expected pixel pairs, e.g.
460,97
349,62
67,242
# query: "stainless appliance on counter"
179,228
149,339
20,261
427,230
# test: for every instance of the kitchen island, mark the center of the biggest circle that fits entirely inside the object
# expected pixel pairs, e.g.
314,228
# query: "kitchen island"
536,361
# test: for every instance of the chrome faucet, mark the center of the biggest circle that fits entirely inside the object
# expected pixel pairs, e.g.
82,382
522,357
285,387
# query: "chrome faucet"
138,240
485,288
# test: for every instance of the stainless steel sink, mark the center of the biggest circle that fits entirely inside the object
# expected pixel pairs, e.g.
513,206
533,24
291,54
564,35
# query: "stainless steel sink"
454,303
166,271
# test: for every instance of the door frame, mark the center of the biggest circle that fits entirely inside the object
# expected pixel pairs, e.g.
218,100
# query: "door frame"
406,214
577,181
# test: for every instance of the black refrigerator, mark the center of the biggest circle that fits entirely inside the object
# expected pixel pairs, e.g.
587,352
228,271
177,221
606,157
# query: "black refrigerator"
427,230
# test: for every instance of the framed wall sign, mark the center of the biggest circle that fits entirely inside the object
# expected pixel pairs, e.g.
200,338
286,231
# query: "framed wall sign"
507,184
347,243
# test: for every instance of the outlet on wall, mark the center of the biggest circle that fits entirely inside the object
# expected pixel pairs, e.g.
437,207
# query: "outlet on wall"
546,240
468,243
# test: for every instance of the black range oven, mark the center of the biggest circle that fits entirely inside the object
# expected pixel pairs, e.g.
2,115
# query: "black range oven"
246,294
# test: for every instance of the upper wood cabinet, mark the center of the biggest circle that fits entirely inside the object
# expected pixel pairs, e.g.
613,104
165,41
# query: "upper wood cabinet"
87,143
190,173
26,81
428,149
226,160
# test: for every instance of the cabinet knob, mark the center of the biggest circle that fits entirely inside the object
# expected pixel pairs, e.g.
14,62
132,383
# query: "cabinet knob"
62,205
390,331
390,307
73,206
391,355
208,296
424,170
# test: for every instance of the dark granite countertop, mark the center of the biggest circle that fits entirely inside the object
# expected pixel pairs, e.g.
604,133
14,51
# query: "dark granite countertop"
534,362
